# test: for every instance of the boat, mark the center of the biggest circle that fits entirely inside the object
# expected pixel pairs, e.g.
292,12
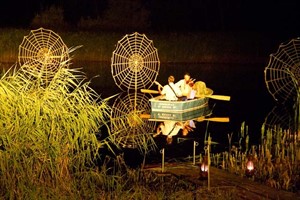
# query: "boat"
180,110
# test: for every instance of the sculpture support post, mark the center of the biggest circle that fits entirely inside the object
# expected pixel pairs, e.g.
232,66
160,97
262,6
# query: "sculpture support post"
162,160
194,152
208,157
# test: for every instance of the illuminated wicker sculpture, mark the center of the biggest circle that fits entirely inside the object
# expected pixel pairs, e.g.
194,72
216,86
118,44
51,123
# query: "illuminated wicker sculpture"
283,73
135,63
280,116
282,78
132,131
42,52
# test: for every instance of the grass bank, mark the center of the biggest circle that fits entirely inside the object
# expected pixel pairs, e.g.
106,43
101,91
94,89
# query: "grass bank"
195,47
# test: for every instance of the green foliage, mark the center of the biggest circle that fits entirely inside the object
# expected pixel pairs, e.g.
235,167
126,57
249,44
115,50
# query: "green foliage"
47,130
276,160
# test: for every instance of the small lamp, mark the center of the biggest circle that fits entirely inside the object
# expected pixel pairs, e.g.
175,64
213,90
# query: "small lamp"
250,169
204,168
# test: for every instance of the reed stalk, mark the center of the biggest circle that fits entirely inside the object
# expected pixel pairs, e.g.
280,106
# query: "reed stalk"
276,160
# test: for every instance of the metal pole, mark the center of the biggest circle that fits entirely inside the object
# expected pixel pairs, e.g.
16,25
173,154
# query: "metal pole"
208,159
162,160
194,152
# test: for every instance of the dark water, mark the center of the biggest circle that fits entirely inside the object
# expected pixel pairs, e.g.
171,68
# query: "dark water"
250,100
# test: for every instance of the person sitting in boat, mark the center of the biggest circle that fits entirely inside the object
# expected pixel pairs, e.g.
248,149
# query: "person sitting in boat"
200,88
171,91
172,128
186,85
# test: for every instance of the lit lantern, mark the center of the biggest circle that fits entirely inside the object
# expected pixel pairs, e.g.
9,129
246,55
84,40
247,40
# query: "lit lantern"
204,168
250,167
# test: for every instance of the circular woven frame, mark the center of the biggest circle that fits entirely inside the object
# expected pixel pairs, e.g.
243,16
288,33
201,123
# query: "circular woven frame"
134,63
124,114
282,73
43,51
280,116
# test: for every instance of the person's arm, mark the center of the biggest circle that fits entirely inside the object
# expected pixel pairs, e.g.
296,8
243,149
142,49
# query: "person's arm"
180,124
179,83
158,130
159,89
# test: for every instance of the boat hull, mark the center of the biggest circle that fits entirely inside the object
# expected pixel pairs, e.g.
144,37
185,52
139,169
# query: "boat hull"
162,109
180,116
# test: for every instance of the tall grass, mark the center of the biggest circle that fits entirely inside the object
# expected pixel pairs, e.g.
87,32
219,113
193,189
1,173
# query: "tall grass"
48,133
276,159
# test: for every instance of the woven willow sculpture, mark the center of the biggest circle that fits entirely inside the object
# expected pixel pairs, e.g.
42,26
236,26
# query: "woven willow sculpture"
42,52
283,73
282,76
133,131
280,116
134,63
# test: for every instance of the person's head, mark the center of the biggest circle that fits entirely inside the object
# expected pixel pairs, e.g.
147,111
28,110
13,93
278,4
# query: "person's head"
169,139
187,76
171,79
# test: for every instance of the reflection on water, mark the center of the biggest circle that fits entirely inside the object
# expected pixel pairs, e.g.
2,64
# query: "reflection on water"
250,100
282,116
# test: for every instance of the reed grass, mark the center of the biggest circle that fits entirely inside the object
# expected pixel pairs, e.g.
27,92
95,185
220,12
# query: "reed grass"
47,130
276,159
48,135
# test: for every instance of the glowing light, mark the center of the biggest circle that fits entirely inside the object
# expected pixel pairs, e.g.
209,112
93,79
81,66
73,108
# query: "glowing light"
204,167
250,165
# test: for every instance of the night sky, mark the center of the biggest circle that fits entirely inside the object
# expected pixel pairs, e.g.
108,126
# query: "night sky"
169,15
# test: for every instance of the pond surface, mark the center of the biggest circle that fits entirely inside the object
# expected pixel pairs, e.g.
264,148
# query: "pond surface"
250,99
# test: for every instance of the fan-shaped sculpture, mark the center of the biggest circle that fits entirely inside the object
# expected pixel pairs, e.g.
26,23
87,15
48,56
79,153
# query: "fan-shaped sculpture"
126,122
134,63
282,74
43,51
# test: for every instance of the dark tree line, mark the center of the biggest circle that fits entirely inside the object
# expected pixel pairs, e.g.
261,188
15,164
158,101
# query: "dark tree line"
164,14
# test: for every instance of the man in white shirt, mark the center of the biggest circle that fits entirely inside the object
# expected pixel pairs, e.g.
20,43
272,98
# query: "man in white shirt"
171,91
185,85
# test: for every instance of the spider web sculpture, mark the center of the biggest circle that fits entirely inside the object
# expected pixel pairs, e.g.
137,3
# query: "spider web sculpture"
132,131
134,63
283,73
280,116
42,52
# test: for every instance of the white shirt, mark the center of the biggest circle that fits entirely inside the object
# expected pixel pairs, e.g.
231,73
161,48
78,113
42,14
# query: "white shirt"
184,87
168,128
168,92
